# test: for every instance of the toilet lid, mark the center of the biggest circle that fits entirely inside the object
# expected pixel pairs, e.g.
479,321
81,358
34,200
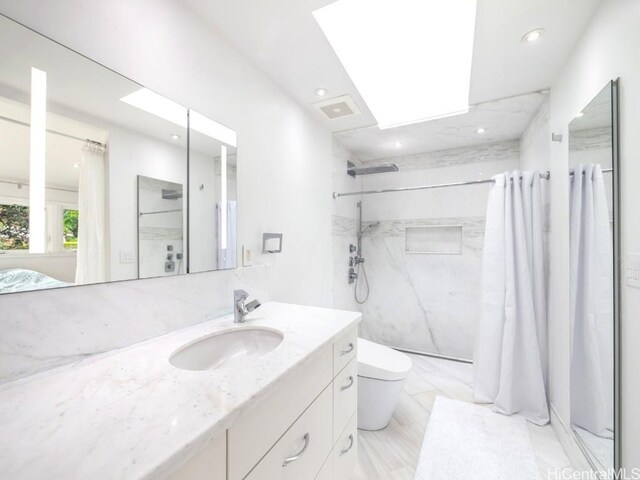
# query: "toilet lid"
380,362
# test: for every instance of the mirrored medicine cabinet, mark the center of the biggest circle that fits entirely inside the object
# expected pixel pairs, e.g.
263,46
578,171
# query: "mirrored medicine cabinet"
102,179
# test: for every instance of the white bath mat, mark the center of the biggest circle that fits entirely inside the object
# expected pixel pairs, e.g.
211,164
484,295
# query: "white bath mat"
465,441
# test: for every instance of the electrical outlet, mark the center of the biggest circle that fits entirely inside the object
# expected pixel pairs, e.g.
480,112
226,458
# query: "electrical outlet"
632,270
247,257
127,257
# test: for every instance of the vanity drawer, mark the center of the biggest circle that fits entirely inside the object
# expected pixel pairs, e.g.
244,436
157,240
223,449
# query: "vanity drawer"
345,452
253,434
302,450
345,396
344,349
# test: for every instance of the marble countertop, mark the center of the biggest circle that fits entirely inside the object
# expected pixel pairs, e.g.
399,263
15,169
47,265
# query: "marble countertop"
130,414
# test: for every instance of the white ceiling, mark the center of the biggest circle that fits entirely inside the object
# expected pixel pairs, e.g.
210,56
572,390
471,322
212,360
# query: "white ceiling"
283,40
61,154
503,119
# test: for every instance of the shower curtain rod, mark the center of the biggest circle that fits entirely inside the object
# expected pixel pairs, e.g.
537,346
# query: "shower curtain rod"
604,170
543,175
54,132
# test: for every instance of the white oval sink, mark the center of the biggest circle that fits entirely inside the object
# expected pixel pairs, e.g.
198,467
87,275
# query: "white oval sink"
221,349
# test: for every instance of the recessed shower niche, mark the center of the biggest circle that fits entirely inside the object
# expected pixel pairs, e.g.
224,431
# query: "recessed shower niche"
434,240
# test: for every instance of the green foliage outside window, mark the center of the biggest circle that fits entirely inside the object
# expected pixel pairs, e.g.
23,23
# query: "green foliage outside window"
70,218
14,227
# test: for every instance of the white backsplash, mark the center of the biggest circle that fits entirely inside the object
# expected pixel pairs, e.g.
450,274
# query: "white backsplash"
45,329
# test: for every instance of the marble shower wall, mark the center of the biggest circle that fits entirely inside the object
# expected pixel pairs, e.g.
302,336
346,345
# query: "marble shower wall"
343,227
428,302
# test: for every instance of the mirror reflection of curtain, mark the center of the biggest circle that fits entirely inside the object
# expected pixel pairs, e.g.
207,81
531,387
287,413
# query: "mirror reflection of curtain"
227,256
91,255
510,359
591,303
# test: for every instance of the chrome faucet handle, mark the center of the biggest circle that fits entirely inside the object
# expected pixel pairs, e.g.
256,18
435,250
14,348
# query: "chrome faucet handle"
240,309
240,295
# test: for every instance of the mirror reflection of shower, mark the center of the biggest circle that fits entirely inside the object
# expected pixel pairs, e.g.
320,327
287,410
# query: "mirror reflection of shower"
357,270
160,227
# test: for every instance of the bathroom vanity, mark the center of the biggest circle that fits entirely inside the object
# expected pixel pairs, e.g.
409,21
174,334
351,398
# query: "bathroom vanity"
166,408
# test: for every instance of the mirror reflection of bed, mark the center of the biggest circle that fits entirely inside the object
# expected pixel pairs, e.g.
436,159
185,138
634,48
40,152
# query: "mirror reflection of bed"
22,280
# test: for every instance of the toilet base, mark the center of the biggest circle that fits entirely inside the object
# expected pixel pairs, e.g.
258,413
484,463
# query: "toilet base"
377,399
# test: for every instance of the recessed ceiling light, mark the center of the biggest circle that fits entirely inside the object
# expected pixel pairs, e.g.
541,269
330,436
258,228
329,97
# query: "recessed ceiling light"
397,144
336,110
579,114
321,92
398,89
480,130
76,165
533,35
175,136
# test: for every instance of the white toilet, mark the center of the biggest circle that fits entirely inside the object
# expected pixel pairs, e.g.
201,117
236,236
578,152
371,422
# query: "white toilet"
382,373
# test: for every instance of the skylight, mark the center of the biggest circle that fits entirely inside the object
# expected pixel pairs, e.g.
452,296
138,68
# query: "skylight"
409,59
157,105
162,107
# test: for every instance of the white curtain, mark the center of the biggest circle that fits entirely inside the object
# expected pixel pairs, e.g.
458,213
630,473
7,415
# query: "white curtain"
511,339
591,303
91,257
227,256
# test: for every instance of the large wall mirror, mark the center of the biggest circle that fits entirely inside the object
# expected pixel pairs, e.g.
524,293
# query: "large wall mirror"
213,205
594,233
94,170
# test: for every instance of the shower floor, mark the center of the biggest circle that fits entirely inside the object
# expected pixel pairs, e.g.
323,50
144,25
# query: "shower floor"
393,452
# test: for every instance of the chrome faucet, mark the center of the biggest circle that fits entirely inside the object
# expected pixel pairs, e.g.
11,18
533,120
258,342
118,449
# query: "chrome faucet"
240,309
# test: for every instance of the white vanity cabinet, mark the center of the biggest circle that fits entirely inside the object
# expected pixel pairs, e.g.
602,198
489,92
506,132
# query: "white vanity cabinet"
320,441
304,430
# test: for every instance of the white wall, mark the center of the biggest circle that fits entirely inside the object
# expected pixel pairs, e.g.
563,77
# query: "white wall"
608,49
283,154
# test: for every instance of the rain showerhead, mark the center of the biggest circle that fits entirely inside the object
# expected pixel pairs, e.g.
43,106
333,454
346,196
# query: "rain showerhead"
171,194
354,170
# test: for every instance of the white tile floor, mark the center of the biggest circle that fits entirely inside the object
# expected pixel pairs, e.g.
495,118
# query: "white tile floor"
392,453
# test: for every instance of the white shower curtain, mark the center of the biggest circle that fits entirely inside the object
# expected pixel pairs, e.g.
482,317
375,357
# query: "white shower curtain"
591,303
511,339
227,256
91,256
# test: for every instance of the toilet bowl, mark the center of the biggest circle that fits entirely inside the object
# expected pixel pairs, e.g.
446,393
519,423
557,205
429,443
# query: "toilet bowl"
382,373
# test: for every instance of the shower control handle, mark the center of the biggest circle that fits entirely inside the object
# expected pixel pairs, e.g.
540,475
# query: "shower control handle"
352,275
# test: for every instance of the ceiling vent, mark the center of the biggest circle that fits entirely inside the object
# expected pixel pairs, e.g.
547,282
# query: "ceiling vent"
338,107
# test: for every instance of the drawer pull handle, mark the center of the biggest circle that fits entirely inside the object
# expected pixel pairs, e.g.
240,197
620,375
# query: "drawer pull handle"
292,459
348,449
351,382
348,350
